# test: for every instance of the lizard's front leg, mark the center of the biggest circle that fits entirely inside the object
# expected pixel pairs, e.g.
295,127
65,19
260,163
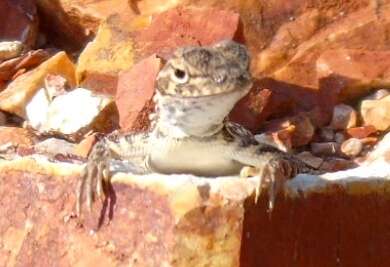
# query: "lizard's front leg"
96,173
271,166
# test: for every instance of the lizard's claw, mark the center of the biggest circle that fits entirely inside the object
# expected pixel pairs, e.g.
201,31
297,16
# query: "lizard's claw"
271,176
93,177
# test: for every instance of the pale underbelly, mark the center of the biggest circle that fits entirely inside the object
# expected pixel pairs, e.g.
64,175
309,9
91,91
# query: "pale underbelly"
202,159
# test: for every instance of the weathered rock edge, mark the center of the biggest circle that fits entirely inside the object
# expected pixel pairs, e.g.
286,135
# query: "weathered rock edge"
181,220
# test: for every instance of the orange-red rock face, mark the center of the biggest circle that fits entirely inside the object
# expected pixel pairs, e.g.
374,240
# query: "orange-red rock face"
135,92
19,21
154,220
181,224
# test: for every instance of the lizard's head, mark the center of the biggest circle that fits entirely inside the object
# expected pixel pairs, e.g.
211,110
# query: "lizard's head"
205,71
198,87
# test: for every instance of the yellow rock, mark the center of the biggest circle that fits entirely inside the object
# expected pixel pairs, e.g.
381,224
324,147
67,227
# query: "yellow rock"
376,113
110,52
19,92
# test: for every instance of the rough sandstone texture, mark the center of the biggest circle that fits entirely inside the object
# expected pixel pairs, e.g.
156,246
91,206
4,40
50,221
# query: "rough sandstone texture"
186,221
154,221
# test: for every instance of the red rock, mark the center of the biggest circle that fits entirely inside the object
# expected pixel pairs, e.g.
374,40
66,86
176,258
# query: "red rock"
352,73
162,223
18,73
361,132
370,141
286,40
302,129
120,44
186,26
358,30
31,59
351,147
288,99
18,21
135,92
280,139
344,117
279,101
73,23
16,136
253,109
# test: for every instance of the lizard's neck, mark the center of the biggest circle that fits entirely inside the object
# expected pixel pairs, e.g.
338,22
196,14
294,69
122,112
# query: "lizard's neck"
181,117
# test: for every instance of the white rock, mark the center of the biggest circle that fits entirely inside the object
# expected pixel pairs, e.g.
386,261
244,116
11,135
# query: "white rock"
70,112
37,108
67,113
352,147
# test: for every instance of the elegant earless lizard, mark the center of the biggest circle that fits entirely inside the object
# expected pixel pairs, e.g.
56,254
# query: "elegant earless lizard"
196,90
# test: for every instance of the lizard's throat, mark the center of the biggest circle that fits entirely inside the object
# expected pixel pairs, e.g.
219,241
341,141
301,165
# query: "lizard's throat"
194,116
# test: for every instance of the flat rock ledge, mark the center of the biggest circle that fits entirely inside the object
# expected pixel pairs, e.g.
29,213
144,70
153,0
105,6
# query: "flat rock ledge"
339,219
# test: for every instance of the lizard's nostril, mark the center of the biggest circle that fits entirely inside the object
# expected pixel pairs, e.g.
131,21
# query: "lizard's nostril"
219,78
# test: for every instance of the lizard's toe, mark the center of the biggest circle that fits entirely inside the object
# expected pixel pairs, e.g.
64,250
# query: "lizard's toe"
93,177
270,177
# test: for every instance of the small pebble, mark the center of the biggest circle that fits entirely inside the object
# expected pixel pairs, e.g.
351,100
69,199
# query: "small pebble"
325,149
352,147
344,117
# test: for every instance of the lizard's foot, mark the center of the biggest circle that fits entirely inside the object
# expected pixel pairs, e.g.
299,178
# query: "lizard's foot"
94,176
271,176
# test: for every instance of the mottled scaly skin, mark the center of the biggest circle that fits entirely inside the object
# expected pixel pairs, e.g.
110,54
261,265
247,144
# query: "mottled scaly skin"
196,90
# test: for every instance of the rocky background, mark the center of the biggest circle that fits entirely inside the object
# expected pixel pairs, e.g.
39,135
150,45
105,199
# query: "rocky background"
73,70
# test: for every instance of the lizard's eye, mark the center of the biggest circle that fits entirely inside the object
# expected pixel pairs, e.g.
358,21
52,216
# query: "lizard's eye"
180,76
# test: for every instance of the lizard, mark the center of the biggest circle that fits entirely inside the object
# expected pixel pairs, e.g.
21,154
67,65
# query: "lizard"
195,91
